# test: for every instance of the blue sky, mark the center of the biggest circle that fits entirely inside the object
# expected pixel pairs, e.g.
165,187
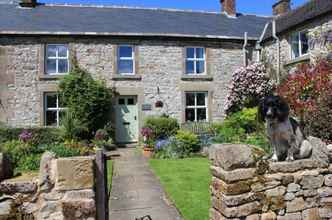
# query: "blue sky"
262,7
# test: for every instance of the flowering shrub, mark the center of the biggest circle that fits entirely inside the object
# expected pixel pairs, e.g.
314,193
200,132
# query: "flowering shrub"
25,136
249,84
307,86
147,133
308,92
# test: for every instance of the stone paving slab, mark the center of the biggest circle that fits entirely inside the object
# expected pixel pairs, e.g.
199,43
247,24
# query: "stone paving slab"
136,191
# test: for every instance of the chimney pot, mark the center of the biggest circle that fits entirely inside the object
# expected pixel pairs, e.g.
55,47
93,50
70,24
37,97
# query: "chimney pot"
28,3
281,7
229,7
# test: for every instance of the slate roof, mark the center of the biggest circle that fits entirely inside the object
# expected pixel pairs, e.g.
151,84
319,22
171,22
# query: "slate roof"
300,15
122,21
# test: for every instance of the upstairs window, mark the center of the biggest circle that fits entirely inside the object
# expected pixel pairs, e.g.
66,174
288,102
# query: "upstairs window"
299,44
57,59
196,107
195,60
53,109
126,58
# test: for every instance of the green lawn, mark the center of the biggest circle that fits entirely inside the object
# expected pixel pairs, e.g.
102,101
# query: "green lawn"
187,184
109,173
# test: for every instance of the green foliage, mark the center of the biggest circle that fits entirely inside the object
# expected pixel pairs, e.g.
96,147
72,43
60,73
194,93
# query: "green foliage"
87,99
162,127
189,141
242,127
26,157
40,135
73,128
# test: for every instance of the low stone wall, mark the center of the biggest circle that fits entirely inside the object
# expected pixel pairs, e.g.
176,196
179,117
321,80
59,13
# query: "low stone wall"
246,188
64,189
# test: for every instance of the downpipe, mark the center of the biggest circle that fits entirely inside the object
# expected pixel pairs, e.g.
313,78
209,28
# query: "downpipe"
274,35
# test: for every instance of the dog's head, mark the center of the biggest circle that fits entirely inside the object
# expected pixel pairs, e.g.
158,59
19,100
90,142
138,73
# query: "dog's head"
273,108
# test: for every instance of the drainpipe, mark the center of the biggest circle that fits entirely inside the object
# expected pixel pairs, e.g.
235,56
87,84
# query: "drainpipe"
244,48
258,44
274,35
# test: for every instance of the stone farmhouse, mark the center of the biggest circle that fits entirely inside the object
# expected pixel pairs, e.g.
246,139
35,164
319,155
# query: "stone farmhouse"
158,61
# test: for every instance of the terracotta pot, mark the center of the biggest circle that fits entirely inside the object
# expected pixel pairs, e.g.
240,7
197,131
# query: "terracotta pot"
148,152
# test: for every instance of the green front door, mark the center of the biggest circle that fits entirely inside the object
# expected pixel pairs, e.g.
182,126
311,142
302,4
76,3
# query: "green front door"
126,120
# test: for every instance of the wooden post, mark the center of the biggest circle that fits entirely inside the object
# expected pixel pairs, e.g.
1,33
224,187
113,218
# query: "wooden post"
101,186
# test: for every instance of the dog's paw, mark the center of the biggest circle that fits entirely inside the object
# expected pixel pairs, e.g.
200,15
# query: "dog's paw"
290,158
274,158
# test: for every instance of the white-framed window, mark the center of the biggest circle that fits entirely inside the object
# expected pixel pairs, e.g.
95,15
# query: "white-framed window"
196,109
53,109
195,60
299,44
57,59
126,60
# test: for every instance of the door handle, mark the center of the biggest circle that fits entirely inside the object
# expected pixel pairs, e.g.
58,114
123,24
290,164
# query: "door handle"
126,123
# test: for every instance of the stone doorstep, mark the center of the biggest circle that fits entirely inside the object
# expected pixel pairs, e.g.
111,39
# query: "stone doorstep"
233,176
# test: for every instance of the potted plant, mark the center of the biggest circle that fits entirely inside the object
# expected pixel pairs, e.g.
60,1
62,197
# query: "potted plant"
148,146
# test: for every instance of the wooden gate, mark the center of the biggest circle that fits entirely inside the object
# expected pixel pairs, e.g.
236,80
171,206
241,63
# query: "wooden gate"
102,196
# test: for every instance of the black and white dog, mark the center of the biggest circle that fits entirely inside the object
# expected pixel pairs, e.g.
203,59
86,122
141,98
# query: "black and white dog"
286,138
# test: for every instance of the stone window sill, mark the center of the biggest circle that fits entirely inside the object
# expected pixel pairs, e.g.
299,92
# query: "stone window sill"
301,59
126,77
51,77
196,78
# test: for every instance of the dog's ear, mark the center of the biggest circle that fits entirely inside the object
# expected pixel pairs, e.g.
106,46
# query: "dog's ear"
283,109
261,111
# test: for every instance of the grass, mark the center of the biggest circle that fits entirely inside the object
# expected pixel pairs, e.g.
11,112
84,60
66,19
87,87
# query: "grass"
109,174
186,182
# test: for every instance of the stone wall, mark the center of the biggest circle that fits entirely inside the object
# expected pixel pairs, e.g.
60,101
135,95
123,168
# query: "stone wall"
320,46
63,190
160,64
244,188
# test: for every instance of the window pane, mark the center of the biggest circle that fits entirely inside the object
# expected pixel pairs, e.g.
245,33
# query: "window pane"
50,119
62,50
125,51
121,101
51,50
295,45
190,52
51,66
201,99
63,66
51,100
190,114
131,101
200,53
126,66
200,68
304,42
190,99
201,114
190,67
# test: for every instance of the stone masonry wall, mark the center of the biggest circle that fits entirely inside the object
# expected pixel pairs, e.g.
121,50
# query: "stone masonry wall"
160,64
244,188
64,190
319,45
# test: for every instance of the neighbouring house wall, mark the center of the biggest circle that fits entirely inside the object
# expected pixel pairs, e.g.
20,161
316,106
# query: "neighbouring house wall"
320,46
64,189
245,188
159,62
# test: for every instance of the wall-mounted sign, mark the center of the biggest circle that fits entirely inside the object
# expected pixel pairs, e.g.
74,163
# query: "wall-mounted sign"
146,107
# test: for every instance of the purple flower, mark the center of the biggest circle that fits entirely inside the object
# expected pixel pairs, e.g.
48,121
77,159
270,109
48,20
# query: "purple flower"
160,144
25,136
147,132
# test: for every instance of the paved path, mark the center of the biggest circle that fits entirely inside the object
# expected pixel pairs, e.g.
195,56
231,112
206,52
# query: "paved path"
136,192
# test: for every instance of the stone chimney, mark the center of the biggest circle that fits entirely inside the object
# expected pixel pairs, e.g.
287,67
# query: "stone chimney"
229,7
281,7
28,3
